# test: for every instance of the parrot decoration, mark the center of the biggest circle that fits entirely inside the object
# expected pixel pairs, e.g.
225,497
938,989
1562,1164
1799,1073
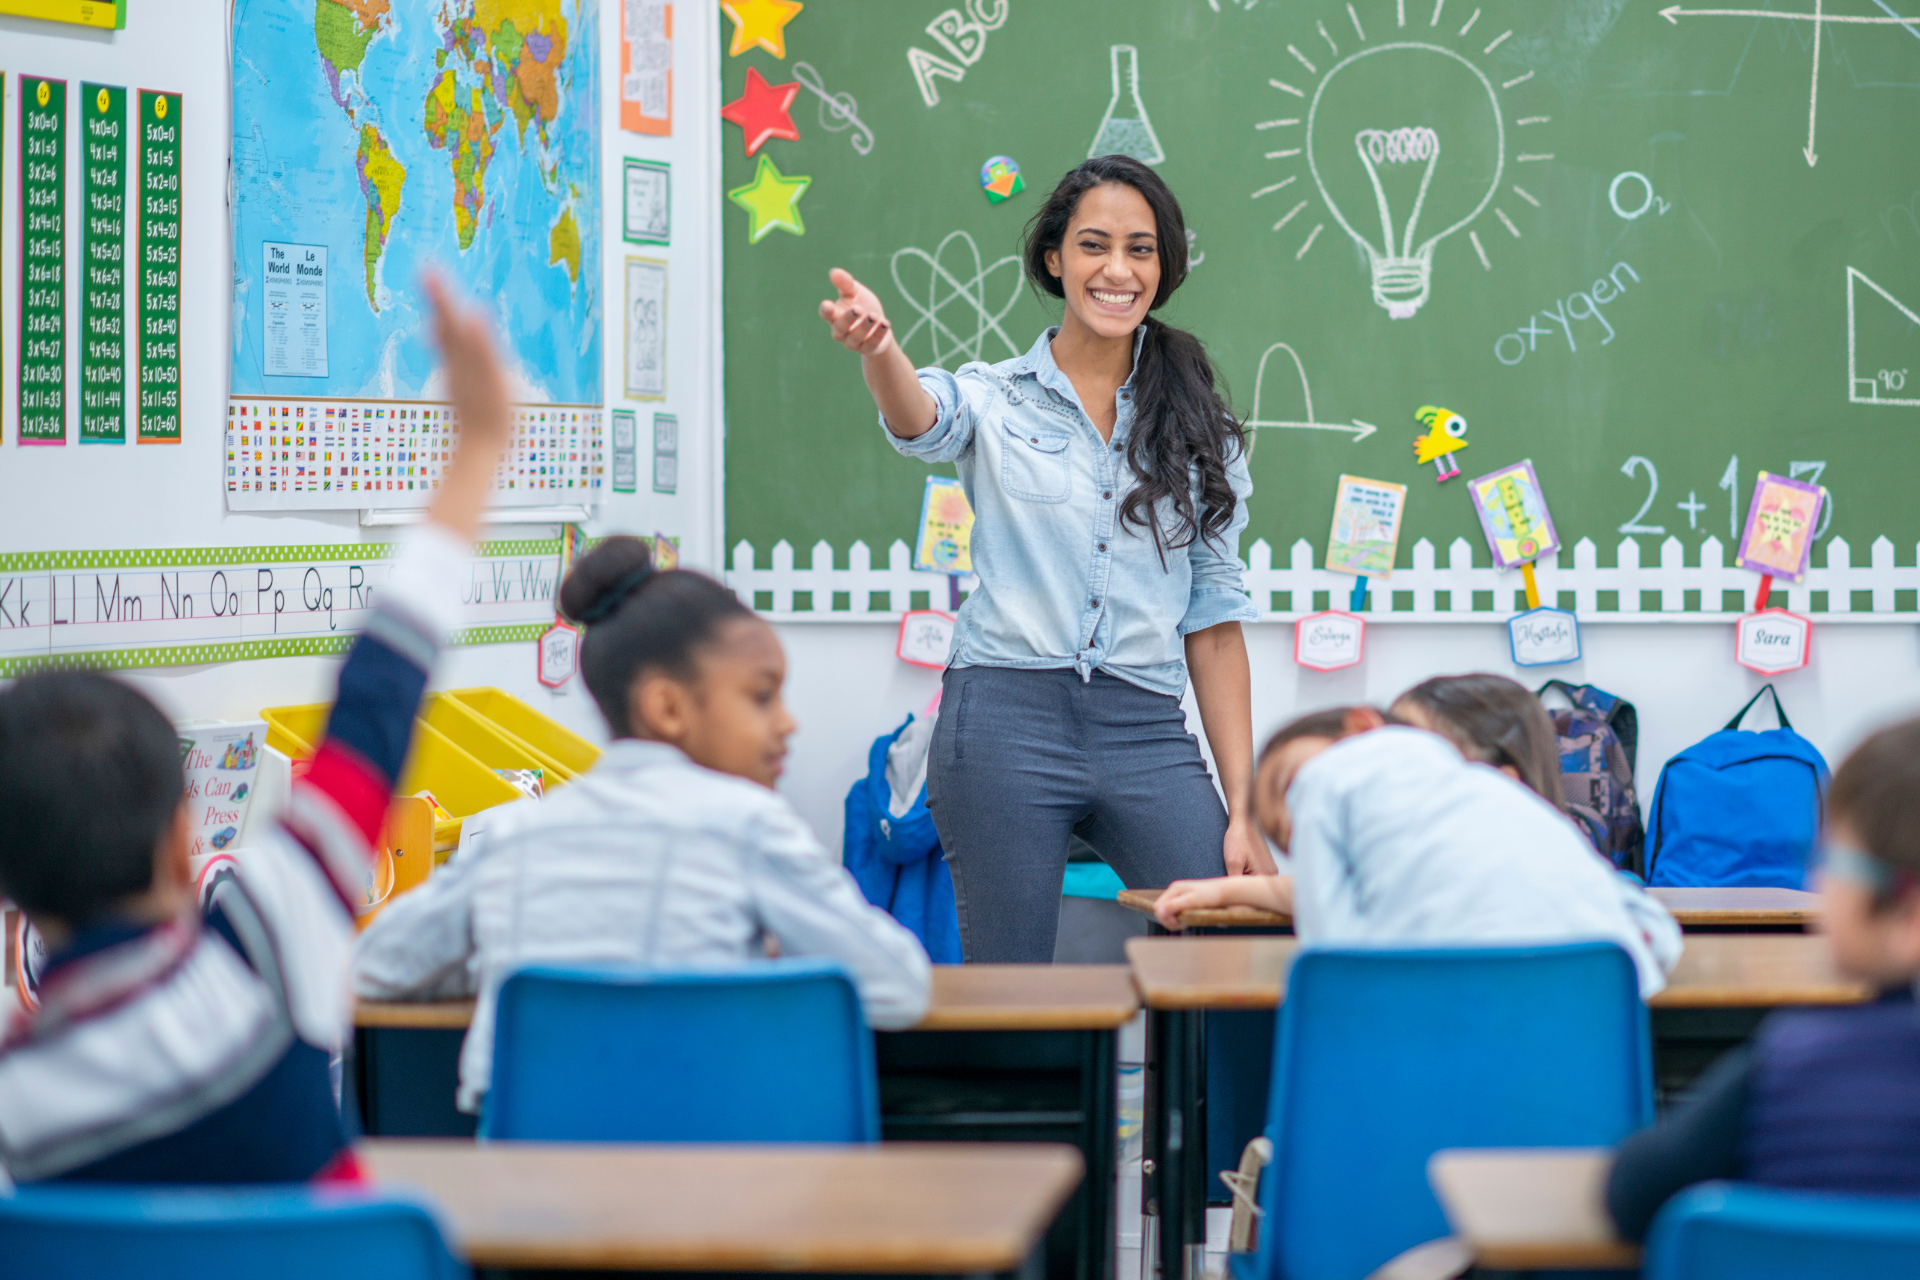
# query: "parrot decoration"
1446,435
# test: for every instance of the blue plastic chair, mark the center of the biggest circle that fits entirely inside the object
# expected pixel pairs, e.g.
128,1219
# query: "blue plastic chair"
772,1052
205,1233
1382,1058
1720,1231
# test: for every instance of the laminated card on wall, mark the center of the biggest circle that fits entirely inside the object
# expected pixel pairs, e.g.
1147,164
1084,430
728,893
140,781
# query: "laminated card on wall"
373,143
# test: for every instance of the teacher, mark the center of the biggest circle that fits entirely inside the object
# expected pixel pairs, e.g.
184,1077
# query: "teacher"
1109,483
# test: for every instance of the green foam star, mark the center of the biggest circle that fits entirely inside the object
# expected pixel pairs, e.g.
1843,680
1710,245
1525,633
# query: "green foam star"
772,201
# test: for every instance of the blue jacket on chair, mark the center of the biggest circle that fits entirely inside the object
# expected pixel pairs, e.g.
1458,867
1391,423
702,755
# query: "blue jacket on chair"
897,861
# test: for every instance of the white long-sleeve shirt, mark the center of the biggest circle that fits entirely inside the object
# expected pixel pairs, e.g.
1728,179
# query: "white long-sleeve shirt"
647,859
1397,840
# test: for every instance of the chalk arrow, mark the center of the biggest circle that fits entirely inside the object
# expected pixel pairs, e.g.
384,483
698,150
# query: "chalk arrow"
1813,96
1674,13
1359,430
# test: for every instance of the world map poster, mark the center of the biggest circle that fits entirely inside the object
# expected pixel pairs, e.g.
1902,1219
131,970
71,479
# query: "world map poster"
376,140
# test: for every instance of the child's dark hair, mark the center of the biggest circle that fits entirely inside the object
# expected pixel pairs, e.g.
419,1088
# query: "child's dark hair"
639,619
1331,724
1183,424
1495,721
90,778
1876,792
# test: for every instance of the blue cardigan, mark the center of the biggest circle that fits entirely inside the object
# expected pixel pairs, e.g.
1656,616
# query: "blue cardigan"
898,862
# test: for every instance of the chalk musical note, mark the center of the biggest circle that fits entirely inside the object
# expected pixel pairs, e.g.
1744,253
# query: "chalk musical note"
838,111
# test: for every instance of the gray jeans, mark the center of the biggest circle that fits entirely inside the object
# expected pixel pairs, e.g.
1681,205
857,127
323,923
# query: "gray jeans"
1022,759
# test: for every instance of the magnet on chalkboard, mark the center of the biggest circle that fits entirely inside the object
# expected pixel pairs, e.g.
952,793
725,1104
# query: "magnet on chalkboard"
1446,435
1000,179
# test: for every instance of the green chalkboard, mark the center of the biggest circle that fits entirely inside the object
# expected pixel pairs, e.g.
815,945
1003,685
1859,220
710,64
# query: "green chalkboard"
1680,249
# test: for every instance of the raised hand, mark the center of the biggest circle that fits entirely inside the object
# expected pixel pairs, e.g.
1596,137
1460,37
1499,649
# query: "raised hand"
477,385
858,320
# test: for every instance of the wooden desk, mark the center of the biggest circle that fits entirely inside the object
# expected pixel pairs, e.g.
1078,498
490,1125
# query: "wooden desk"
1715,996
1716,910
1531,1210
1006,1053
917,1209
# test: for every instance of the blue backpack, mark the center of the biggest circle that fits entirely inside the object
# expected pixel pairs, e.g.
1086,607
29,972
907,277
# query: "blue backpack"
1738,808
898,862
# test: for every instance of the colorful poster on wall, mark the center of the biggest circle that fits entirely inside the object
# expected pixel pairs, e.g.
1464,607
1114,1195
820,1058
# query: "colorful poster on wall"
103,266
625,432
398,138
945,541
158,340
1513,515
1366,527
647,209
1778,541
43,261
646,67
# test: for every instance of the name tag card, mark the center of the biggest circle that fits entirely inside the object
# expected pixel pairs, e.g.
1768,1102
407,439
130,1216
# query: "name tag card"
1329,641
1773,641
559,655
926,637
1542,637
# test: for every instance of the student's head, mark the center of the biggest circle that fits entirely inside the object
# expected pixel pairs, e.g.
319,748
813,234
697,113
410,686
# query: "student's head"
672,656
1492,720
1112,244
1288,750
1870,879
93,819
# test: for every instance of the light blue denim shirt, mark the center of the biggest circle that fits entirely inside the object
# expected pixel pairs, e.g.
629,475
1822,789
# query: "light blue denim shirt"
1062,582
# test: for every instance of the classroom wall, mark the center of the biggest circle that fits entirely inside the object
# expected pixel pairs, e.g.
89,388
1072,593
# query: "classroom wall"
847,687
117,497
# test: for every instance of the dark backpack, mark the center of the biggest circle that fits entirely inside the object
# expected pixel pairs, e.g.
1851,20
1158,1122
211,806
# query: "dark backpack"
1738,808
1599,740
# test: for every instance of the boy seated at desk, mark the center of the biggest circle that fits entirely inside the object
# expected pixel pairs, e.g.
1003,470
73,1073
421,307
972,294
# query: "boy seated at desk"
1819,1099
168,1048
1393,837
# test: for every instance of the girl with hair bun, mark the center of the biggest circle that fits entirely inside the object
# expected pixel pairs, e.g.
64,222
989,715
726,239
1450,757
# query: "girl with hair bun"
673,850
1109,481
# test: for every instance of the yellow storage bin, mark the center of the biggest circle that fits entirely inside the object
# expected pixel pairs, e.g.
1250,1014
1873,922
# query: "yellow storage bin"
462,784
486,741
539,733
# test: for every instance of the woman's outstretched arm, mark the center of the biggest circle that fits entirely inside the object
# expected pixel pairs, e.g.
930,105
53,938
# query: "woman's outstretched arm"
860,325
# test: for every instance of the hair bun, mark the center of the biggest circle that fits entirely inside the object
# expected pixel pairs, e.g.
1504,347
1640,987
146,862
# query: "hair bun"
604,579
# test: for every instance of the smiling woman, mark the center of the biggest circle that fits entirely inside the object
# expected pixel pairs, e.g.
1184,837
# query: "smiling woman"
1109,481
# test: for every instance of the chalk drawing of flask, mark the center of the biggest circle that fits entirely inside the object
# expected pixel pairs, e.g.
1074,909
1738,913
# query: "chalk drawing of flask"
1125,129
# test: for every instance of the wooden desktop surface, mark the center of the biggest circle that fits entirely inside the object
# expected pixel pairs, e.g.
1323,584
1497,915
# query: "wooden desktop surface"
903,1208
1771,908
1716,970
976,997
1528,1210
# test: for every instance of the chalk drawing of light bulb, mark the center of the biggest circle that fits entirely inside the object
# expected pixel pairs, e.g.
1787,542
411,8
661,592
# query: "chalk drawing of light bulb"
1125,129
1403,138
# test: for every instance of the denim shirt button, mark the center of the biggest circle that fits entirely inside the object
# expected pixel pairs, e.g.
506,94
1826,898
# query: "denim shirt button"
1103,546
1108,495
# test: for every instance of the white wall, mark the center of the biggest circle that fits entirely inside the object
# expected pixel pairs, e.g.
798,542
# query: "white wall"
115,497
847,688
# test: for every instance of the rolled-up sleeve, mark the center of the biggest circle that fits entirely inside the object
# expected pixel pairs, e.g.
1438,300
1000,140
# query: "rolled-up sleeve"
957,400
1219,591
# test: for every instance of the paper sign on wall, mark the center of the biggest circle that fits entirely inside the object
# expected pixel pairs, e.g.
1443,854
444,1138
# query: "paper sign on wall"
1542,637
1329,641
1513,515
221,762
926,637
646,67
559,655
1773,641
646,329
1366,527
1778,541
944,543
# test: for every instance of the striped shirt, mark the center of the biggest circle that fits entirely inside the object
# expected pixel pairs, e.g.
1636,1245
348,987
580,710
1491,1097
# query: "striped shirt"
191,1051
648,859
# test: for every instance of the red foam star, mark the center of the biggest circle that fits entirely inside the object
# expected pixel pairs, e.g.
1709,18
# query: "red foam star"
761,112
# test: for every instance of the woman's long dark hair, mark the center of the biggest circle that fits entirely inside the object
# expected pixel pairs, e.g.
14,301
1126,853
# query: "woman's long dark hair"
1183,424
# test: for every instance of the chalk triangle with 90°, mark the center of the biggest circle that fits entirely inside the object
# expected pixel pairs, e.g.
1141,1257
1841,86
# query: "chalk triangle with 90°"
1305,422
1883,345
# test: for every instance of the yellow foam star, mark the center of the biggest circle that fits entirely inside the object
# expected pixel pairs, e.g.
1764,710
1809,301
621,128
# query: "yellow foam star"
760,22
772,201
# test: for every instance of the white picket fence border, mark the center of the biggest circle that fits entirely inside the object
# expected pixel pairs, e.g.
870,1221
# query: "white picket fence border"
1423,580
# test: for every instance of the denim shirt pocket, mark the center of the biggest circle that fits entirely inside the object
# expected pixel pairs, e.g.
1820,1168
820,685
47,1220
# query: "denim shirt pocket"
1034,465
